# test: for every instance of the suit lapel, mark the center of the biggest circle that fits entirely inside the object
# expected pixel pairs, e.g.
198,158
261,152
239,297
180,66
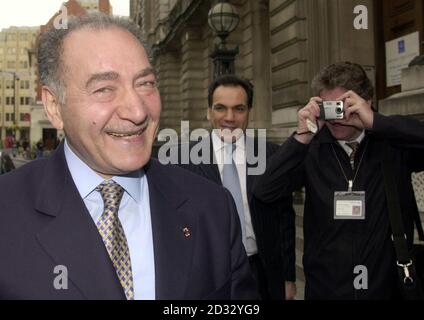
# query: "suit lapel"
174,232
250,179
71,238
211,170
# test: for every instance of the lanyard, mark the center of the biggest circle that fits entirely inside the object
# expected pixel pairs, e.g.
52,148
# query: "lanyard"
350,182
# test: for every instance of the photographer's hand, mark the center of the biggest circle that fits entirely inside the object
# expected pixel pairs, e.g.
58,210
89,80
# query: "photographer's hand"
357,110
309,112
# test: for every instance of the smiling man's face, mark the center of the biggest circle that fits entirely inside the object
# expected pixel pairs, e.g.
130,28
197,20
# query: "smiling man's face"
112,106
229,108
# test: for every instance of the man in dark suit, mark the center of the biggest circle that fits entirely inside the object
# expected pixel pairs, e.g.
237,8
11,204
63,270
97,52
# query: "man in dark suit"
268,229
338,158
100,219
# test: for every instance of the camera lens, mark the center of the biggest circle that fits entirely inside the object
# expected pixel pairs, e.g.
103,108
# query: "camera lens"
339,110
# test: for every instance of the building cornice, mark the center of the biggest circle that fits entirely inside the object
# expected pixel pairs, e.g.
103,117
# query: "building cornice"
170,27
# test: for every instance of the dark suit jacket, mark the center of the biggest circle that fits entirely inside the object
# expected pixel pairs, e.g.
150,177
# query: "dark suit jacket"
44,223
273,224
333,248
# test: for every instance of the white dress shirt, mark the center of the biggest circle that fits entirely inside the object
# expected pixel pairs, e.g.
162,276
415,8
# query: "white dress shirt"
134,214
239,157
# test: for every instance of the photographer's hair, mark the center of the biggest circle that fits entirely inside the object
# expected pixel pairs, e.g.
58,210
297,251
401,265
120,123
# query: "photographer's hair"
50,64
231,80
348,75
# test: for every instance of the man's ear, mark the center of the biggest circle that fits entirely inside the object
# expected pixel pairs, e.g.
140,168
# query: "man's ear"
208,116
52,107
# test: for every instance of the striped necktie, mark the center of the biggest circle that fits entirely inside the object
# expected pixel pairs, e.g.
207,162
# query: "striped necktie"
113,235
354,146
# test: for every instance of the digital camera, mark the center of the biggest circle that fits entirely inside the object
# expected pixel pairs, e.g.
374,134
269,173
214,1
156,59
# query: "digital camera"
331,110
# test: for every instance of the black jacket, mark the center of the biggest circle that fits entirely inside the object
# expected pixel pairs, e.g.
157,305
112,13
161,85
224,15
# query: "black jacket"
334,247
273,224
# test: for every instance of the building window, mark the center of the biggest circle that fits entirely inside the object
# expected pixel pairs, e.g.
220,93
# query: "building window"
11,50
11,64
25,101
23,64
11,37
23,36
24,84
10,101
10,117
9,84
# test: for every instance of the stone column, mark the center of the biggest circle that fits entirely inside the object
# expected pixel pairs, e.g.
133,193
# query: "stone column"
289,57
168,67
194,103
261,65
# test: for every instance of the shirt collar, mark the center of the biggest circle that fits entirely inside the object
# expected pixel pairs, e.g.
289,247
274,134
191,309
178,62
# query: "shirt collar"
86,179
358,139
219,145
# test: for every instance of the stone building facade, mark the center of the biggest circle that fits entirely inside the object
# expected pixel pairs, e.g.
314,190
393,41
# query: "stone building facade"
282,45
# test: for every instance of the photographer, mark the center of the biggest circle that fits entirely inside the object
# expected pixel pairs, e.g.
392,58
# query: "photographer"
338,161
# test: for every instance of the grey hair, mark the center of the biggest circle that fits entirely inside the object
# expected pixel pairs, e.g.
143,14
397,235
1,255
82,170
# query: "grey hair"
348,75
50,64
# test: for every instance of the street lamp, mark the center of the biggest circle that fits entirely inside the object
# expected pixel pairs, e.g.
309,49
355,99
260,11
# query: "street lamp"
223,19
15,102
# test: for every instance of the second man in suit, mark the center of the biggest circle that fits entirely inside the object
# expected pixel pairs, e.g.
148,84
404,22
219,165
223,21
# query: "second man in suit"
268,230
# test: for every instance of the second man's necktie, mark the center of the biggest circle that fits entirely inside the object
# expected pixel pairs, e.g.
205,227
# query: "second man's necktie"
231,181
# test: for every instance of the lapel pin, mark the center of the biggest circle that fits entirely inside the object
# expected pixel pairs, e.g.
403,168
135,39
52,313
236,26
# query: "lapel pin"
186,232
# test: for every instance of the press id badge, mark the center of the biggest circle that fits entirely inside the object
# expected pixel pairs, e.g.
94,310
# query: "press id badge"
349,205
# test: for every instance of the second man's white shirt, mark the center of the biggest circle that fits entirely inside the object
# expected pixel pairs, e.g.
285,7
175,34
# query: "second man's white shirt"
239,157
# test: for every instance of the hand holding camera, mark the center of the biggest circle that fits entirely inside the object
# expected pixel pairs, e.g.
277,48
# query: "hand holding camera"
309,122
349,109
358,112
